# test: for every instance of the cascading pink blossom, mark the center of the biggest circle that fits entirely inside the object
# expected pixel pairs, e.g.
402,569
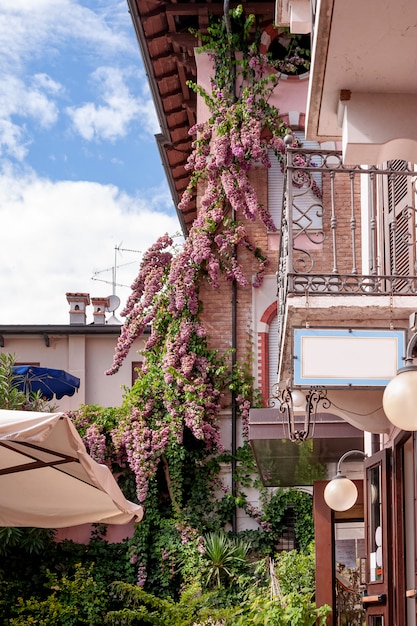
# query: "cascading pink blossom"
225,150
141,305
95,440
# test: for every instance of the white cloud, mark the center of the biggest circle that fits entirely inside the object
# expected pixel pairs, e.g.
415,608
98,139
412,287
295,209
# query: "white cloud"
59,235
27,100
30,29
20,102
11,140
39,107
46,83
46,29
111,119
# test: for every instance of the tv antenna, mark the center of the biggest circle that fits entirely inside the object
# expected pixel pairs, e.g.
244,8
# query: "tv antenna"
113,270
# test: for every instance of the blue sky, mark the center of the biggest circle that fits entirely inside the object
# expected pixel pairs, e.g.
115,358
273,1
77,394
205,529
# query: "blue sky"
80,172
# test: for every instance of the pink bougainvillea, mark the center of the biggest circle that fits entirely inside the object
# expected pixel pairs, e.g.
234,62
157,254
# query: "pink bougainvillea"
180,386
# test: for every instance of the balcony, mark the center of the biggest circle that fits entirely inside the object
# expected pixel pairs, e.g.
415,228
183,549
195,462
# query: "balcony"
361,90
348,245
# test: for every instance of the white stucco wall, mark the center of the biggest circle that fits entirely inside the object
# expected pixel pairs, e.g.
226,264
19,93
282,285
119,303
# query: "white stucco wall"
85,356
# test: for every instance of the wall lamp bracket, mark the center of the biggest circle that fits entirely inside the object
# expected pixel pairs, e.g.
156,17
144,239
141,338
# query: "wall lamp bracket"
290,402
341,493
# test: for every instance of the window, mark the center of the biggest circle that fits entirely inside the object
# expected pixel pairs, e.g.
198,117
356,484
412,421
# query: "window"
375,525
136,366
306,205
376,620
377,598
34,363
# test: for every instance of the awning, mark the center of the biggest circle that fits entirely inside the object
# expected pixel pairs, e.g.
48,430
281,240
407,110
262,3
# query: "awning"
48,480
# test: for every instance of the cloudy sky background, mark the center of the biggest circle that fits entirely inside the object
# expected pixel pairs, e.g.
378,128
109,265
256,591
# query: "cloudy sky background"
80,173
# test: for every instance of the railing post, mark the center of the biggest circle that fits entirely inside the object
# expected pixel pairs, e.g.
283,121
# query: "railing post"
353,221
373,269
333,223
288,205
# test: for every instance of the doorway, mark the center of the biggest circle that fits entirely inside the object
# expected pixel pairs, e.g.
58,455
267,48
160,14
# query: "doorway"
405,524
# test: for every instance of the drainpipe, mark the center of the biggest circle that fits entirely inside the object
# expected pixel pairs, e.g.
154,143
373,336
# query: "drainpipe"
234,403
228,24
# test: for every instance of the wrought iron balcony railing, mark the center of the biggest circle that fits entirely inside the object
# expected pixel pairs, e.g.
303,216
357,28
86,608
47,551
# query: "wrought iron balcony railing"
346,230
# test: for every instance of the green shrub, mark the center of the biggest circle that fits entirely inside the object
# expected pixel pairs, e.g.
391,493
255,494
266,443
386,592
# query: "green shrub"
75,601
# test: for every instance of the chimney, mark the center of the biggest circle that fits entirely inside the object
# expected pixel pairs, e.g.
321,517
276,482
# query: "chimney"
78,303
99,313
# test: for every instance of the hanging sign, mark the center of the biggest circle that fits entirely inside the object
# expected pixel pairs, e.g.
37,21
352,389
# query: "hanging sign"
347,357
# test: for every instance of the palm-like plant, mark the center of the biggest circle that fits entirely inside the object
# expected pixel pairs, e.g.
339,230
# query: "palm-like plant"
13,399
225,557
10,397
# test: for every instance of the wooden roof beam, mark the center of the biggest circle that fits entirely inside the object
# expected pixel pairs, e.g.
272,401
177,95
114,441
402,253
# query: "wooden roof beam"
187,40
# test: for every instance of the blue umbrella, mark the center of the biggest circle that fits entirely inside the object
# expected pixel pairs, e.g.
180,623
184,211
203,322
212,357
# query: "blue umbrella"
48,381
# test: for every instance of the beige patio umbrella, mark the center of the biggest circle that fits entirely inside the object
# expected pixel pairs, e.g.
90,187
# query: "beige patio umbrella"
47,479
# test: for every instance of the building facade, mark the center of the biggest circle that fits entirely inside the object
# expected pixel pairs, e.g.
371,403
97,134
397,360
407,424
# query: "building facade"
84,348
331,320
362,99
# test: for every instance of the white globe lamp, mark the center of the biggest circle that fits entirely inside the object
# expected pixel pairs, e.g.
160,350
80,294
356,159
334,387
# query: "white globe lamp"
400,396
340,494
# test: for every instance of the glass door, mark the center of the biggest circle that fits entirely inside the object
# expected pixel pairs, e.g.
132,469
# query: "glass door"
349,556
377,597
405,529
409,528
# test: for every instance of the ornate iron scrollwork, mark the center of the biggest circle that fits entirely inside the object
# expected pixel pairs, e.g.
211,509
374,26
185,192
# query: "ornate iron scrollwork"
299,429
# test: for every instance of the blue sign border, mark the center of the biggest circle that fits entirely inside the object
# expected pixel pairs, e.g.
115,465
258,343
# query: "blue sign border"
300,333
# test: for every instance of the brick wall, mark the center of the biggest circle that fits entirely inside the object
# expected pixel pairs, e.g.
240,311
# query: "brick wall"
217,303
217,311
339,224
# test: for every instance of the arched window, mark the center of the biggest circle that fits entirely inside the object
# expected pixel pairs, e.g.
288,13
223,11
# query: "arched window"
268,351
